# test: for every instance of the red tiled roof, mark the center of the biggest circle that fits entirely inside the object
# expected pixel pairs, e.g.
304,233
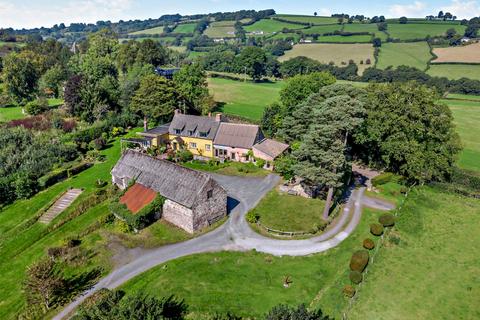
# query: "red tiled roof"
137,197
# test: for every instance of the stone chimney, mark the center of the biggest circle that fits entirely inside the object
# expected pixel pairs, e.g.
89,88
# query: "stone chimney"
177,111
218,117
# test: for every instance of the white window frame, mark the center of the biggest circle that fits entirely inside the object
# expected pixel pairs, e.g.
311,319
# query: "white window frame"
192,145
208,147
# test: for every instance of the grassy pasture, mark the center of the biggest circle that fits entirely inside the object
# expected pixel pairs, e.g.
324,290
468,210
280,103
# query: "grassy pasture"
413,31
455,71
413,54
366,27
185,28
245,99
433,273
467,117
156,30
269,26
467,54
337,53
221,29
280,35
322,29
346,39
308,19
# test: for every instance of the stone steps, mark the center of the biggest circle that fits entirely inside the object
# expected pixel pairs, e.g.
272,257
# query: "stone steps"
60,205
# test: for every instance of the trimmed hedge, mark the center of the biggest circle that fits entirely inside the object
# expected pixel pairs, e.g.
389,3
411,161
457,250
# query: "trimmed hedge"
142,218
368,244
356,277
387,220
376,229
349,291
79,168
359,260
61,174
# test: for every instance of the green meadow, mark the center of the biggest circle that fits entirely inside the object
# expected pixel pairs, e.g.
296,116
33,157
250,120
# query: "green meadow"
308,19
413,31
412,54
269,26
185,28
156,30
455,71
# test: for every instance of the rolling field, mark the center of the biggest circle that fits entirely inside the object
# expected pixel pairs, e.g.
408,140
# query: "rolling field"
220,29
156,30
467,118
245,99
411,31
269,26
308,19
455,71
366,27
286,35
467,54
346,39
413,54
322,29
337,53
185,28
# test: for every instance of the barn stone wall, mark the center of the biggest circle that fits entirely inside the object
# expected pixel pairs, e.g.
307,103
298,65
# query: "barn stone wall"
178,215
207,211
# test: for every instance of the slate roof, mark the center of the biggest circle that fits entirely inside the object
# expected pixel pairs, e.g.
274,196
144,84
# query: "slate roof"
197,124
170,180
237,135
157,131
271,147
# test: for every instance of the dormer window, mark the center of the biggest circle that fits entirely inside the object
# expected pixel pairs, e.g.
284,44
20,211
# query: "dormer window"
178,131
203,134
190,132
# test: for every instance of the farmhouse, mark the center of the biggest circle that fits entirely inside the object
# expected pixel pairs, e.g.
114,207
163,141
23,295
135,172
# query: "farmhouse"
194,200
234,141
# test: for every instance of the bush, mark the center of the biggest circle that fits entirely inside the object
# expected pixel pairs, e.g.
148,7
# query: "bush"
368,244
349,291
356,277
36,107
387,220
100,183
253,216
5,101
97,144
359,260
117,131
142,218
78,168
382,179
376,229
94,155
260,162
52,178
184,156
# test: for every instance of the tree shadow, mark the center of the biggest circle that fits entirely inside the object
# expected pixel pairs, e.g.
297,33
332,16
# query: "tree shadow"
81,283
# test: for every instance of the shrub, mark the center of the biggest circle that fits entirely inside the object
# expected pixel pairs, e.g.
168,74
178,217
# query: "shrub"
382,179
117,131
253,216
260,162
349,291
184,156
376,229
359,260
387,220
52,178
356,277
100,183
97,144
36,107
78,168
5,101
142,218
368,244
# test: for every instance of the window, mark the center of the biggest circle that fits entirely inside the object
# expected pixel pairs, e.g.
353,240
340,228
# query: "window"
192,145
190,132
232,155
209,194
203,134
178,131
208,147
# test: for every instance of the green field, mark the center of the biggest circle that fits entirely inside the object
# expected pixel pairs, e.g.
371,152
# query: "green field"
307,19
11,113
156,30
346,39
185,28
269,26
322,29
220,29
412,31
245,99
280,35
412,54
467,118
434,270
366,27
455,71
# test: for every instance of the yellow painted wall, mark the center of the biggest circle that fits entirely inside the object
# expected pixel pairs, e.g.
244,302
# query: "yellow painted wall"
201,149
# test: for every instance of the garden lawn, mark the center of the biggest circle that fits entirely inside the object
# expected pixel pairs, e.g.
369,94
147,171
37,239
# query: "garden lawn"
156,30
307,19
185,28
340,54
466,116
455,71
11,113
414,31
269,26
229,168
244,99
251,283
285,212
434,271
412,54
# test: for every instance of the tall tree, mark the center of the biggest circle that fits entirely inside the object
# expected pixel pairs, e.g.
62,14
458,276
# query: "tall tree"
156,98
252,61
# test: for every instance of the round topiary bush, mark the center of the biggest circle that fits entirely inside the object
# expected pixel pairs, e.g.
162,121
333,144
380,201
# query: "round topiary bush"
359,260
356,277
368,244
376,229
387,220
349,291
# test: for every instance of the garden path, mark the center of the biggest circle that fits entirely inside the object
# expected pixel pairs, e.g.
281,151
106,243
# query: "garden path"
60,205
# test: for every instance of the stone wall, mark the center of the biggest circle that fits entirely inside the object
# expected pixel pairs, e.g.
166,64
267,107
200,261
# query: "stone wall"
178,215
207,211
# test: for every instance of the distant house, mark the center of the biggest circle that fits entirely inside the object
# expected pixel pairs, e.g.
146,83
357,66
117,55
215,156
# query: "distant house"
194,200
305,41
465,40
166,73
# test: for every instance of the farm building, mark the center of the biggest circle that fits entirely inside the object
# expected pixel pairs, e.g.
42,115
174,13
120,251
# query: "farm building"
194,200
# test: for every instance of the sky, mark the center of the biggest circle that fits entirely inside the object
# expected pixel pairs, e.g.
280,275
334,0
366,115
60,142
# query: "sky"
36,13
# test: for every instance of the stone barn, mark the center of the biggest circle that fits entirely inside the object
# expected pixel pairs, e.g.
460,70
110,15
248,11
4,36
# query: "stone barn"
194,200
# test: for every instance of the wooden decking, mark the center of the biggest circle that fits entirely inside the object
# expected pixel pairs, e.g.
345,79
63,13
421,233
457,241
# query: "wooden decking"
60,205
